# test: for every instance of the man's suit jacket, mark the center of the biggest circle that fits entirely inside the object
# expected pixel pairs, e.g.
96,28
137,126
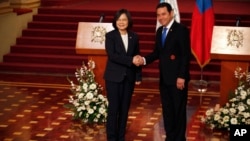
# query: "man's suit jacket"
119,63
174,55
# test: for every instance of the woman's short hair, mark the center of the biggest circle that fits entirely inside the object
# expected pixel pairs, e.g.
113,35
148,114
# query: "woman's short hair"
117,16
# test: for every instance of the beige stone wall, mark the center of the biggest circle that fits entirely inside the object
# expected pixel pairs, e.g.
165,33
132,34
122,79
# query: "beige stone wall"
11,26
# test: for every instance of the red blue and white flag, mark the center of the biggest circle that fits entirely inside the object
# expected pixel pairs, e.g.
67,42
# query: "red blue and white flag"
202,30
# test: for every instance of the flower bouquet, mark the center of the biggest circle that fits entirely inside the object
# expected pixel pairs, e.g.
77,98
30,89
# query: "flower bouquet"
237,110
87,102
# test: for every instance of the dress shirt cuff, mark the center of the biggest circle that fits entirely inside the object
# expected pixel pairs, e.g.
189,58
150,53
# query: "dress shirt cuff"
144,61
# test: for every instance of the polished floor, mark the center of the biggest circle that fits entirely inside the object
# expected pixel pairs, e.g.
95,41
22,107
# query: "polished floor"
32,109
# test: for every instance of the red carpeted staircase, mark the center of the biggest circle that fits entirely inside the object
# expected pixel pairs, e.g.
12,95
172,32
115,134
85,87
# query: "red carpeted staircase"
48,44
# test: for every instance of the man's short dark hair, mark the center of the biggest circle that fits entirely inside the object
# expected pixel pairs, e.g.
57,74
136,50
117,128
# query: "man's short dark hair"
164,4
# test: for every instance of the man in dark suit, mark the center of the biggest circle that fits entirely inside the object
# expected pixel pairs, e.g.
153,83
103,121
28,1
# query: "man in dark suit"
122,45
173,52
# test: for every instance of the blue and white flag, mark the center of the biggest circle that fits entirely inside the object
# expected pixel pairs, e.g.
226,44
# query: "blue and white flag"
175,8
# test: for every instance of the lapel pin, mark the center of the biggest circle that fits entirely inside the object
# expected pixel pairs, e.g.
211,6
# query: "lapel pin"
172,57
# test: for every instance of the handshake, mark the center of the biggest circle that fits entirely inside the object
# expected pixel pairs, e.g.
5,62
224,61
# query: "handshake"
138,60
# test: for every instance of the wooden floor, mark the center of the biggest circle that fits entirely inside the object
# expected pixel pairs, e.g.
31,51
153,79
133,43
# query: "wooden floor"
32,109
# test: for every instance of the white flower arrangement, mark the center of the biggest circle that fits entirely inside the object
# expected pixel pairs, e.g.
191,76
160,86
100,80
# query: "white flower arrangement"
237,110
87,102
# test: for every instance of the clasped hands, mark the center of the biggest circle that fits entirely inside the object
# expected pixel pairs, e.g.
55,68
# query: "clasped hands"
138,60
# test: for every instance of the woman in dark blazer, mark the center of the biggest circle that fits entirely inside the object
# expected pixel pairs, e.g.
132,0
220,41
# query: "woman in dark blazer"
121,75
174,58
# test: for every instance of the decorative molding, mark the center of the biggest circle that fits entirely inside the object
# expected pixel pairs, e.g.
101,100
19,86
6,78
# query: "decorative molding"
5,7
25,3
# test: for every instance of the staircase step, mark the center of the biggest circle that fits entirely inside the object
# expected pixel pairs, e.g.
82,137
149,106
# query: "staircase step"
142,28
70,11
146,36
37,49
49,33
143,35
74,26
53,25
231,23
65,11
232,17
208,76
38,68
147,44
195,75
46,41
212,65
58,2
64,18
87,18
45,59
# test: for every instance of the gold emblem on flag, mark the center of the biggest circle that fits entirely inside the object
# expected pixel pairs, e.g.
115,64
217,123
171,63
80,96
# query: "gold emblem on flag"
98,34
235,38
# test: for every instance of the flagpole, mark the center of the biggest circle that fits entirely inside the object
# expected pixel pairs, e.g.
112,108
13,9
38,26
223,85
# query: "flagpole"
201,73
202,85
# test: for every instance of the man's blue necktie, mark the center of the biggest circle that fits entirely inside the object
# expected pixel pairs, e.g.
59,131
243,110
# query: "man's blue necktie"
163,36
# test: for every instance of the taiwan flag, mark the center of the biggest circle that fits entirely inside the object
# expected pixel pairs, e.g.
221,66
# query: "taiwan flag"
202,30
